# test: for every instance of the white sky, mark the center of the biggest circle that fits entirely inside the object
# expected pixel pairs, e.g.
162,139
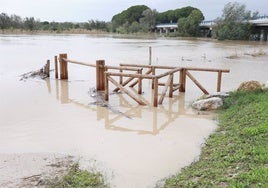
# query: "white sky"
84,10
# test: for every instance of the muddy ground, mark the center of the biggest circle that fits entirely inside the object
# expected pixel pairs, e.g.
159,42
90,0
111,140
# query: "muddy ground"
32,169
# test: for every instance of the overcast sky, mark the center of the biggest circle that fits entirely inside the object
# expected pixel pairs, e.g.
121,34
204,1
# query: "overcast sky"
84,10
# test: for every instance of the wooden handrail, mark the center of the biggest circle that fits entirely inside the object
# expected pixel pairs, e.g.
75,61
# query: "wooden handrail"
206,69
122,68
168,73
147,66
79,62
173,67
131,75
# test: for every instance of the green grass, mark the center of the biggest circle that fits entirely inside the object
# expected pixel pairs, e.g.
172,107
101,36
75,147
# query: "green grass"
77,178
236,155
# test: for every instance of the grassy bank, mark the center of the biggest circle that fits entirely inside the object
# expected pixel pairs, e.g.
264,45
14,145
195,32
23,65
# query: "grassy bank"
237,154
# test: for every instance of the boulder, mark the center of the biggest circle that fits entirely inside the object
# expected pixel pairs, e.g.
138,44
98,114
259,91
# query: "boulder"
212,103
250,86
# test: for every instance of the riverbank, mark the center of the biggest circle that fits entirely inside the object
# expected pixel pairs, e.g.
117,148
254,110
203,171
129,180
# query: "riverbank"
237,154
79,32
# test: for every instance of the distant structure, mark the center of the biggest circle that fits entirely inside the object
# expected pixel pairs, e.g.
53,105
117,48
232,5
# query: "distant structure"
260,28
166,27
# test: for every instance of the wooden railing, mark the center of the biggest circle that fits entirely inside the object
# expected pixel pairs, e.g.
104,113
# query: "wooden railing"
104,75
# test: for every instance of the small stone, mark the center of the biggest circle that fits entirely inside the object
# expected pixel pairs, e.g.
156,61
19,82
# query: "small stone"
212,103
250,86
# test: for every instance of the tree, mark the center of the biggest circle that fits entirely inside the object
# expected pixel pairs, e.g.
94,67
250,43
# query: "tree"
30,23
5,21
127,17
233,23
148,20
174,15
189,26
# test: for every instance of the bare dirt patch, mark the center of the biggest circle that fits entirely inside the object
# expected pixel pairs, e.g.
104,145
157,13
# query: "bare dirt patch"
33,169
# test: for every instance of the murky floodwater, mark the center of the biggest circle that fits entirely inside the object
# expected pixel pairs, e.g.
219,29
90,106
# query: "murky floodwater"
135,146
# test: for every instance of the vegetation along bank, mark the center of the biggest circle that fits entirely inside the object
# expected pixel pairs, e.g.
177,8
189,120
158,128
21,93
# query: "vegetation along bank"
232,25
236,155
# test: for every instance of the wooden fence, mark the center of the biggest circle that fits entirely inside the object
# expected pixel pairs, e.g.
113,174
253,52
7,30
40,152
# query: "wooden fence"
105,75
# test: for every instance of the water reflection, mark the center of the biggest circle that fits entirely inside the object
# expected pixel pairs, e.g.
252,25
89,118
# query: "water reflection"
125,116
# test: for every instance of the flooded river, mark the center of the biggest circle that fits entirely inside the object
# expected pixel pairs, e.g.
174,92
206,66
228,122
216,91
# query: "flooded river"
134,146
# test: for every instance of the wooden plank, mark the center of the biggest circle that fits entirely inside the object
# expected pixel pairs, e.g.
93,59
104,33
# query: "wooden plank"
126,91
132,75
206,69
197,83
79,63
123,68
169,72
219,81
173,67
165,89
163,84
147,66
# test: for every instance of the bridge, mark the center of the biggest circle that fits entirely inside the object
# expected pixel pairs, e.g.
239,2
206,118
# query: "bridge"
260,28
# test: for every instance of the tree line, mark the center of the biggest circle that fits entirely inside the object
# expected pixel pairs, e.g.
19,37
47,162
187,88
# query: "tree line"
11,22
140,18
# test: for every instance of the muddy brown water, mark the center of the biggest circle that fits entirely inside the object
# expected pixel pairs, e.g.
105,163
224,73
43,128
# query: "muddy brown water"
134,146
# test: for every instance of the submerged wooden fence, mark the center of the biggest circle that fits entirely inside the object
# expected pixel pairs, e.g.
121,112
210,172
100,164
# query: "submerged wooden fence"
104,76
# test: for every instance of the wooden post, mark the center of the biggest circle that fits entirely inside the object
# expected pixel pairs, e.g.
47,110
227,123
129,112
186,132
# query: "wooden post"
56,67
140,82
171,86
153,73
182,80
121,77
150,55
63,66
219,81
100,68
155,100
106,91
47,68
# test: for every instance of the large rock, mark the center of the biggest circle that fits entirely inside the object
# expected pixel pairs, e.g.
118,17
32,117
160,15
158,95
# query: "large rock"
212,103
250,86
